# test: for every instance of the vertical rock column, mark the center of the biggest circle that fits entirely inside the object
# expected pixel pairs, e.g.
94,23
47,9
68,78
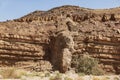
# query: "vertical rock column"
62,47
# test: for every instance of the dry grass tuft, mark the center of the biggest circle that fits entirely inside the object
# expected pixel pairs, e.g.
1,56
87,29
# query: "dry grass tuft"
12,73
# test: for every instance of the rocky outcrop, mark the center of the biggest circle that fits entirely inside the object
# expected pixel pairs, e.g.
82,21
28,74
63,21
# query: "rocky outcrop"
48,40
76,13
62,46
15,49
106,49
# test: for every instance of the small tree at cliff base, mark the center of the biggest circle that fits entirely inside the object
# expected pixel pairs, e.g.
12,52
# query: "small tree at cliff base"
87,65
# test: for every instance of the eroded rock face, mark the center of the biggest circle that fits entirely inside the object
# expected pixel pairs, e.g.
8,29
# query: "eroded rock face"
61,48
47,40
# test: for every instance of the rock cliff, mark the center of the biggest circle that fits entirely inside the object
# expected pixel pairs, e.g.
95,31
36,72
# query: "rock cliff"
48,40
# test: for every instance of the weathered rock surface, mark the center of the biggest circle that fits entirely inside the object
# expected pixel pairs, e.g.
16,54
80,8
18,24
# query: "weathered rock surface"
47,40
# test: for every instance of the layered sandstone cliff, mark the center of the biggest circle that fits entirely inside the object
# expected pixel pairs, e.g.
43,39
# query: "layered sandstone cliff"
48,40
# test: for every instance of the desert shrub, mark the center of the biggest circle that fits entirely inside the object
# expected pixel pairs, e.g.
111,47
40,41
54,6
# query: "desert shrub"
116,78
8,73
57,76
67,78
12,72
87,65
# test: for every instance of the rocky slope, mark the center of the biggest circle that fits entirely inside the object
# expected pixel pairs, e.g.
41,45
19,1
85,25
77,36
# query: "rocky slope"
48,40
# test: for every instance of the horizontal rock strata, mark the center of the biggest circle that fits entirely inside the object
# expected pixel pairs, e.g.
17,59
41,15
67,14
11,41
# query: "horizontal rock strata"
47,40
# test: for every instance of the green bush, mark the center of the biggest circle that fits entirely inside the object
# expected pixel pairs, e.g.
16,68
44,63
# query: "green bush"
87,65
